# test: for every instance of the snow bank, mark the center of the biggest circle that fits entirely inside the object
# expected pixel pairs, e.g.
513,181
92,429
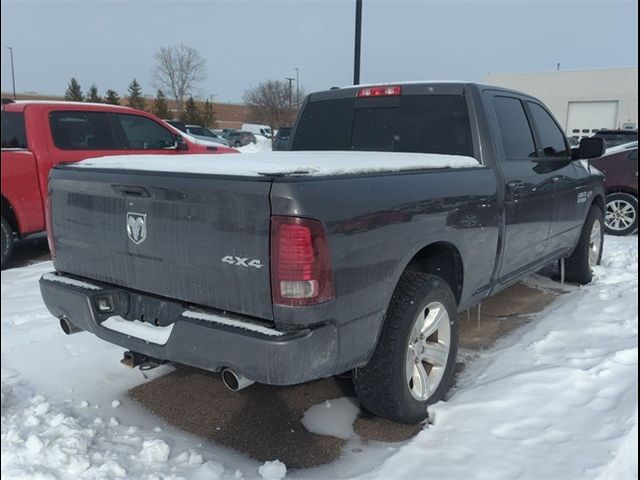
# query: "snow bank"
560,403
47,440
332,417
263,144
282,163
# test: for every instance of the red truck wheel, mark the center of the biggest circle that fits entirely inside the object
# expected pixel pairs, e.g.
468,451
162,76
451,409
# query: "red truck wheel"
7,242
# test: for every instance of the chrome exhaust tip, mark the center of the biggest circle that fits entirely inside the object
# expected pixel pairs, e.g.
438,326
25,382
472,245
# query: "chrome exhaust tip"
235,381
67,327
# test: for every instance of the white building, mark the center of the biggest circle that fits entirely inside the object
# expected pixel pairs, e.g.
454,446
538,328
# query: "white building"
583,101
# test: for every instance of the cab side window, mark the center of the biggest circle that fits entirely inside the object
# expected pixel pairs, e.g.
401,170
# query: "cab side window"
553,142
142,133
515,131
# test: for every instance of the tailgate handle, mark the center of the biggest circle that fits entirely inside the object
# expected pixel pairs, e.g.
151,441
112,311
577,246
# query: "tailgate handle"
131,190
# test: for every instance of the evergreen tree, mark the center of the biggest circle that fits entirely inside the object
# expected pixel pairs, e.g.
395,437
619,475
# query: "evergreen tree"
74,92
135,98
112,97
93,96
208,115
160,106
191,114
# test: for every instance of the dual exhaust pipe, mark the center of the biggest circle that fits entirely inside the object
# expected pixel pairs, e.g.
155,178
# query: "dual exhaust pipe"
235,381
232,380
67,327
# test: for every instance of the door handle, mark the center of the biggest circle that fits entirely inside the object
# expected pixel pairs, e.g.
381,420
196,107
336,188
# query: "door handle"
516,185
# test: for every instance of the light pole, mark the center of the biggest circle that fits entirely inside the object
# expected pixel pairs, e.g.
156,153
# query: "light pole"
290,79
356,52
13,76
297,86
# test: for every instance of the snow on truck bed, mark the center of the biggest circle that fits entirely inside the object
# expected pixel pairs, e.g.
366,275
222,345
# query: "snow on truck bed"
282,163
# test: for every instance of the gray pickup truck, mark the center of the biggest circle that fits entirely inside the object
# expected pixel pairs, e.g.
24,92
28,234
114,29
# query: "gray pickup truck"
397,207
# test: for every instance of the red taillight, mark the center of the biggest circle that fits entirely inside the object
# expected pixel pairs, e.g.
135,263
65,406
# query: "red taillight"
49,226
300,262
380,91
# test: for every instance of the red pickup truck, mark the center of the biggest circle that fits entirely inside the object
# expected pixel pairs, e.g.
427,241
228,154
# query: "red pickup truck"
38,135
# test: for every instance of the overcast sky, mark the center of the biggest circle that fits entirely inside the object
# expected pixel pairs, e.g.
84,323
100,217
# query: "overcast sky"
244,42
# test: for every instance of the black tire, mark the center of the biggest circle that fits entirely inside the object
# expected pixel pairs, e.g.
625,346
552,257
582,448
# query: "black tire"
381,385
578,266
629,213
238,144
6,236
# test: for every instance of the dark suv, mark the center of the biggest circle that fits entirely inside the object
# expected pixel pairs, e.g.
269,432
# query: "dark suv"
237,138
617,137
620,166
281,140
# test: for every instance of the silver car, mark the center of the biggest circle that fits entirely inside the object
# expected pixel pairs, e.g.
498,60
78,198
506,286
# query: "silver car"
204,133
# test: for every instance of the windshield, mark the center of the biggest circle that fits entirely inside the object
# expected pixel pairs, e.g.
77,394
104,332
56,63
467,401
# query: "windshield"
410,123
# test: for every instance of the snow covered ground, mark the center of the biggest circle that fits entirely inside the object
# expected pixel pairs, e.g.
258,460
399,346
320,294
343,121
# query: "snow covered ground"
263,144
557,399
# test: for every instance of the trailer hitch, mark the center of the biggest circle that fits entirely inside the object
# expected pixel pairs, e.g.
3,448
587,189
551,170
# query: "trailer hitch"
135,359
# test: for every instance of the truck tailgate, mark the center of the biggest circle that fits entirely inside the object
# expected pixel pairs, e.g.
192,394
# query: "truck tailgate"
200,239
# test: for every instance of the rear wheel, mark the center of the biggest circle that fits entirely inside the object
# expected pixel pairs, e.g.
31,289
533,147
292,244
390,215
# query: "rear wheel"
621,216
588,252
6,237
414,361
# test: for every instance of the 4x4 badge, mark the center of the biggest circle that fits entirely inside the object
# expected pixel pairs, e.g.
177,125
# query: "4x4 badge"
136,227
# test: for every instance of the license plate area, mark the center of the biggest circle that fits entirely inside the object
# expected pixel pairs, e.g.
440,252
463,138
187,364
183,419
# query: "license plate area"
156,311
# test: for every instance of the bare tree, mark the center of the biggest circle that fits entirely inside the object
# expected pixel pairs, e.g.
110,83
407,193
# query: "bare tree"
273,102
178,70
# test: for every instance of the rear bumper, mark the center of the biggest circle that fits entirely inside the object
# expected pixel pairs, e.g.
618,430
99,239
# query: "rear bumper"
283,358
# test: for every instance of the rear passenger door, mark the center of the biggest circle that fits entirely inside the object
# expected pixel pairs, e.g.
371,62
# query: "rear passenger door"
529,192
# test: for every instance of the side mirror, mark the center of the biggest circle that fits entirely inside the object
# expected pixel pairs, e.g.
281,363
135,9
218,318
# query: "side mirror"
591,147
180,143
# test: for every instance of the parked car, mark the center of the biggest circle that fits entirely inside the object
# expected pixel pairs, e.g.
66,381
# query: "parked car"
37,135
207,134
617,137
620,167
256,129
281,140
354,251
179,124
237,138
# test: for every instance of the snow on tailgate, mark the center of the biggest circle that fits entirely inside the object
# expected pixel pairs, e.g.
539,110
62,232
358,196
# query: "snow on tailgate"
282,163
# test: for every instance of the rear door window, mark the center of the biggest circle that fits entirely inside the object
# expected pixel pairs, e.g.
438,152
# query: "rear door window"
553,142
14,134
515,131
82,130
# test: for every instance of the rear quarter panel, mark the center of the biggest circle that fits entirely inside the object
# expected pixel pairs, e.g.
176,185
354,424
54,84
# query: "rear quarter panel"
376,224
21,189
